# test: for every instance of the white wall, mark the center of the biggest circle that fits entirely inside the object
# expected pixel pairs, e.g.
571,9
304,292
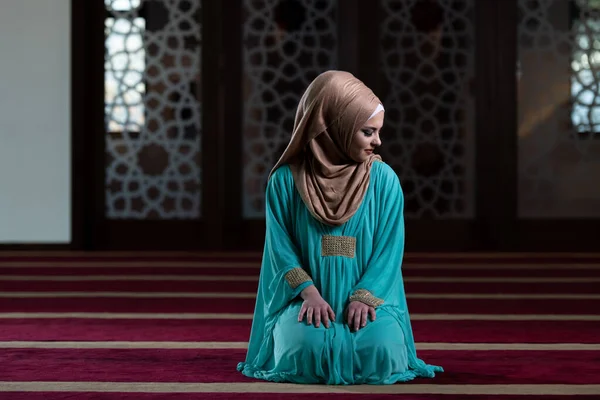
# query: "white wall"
35,167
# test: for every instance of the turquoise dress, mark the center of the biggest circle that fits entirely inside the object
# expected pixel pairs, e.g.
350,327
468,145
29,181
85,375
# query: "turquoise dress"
364,255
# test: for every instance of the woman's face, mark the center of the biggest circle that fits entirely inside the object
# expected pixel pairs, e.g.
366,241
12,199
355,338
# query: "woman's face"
367,138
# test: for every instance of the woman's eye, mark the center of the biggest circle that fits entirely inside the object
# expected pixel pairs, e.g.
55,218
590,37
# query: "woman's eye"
367,132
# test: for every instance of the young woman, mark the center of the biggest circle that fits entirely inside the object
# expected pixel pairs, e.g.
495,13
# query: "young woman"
331,306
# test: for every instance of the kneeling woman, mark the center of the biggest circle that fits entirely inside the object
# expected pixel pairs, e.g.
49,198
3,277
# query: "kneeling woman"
331,306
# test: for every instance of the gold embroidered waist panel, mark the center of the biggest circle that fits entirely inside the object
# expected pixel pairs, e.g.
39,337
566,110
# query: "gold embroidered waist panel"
344,246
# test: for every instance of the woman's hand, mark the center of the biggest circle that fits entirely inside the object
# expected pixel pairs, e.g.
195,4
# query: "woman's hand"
356,314
315,307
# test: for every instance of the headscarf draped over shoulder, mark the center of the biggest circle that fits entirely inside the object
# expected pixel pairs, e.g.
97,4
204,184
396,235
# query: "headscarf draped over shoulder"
334,107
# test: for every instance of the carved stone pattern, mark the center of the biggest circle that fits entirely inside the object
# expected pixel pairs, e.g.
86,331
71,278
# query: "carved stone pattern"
152,109
427,55
559,113
286,44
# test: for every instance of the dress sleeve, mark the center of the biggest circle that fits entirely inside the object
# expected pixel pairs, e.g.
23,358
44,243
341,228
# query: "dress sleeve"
381,282
282,277
282,274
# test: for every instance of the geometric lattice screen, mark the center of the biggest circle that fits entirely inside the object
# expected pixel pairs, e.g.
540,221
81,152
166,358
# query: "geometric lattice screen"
152,109
559,108
286,44
427,58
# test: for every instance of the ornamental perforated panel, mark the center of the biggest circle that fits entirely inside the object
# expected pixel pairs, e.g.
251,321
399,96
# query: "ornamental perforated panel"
152,109
286,44
427,56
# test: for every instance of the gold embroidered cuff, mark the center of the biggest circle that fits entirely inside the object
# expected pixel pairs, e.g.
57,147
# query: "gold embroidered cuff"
364,296
344,246
297,277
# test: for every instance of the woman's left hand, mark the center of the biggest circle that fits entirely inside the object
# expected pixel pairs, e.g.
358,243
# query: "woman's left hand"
356,314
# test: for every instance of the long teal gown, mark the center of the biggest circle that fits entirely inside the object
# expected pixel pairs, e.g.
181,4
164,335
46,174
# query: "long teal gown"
364,255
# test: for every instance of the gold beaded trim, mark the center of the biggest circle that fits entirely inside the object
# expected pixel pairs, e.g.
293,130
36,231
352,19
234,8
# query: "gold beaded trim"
344,246
364,296
297,277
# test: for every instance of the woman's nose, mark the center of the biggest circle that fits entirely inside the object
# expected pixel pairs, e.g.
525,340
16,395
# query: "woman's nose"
376,140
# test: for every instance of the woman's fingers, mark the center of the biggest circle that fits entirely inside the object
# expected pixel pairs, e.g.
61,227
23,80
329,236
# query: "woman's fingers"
331,313
363,317
372,313
302,312
351,312
358,315
317,317
357,318
325,317
318,313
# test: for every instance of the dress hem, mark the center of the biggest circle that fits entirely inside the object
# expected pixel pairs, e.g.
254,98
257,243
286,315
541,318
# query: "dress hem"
427,371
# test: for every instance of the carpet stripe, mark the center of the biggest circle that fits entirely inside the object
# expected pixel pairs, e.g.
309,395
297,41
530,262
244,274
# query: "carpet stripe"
549,257
217,271
152,387
96,278
126,345
216,316
231,286
151,254
273,396
128,295
244,345
229,305
151,286
178,254
238,330
84,278
219,365
255,265
236,295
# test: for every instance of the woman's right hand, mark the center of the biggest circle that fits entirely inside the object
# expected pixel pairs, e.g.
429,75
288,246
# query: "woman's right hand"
315,308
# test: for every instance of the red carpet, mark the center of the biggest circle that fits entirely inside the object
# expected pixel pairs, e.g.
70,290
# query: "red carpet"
482,303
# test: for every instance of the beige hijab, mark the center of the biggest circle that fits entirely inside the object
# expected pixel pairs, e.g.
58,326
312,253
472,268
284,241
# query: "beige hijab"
334,107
